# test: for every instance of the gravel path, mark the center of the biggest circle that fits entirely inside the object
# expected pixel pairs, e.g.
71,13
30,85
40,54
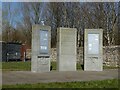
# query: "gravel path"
23,77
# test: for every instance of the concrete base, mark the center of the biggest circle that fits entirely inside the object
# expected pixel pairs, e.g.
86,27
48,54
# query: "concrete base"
43,65
93,64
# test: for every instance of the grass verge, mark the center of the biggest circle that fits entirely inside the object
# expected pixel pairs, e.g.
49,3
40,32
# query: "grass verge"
26,66
16,66
88,84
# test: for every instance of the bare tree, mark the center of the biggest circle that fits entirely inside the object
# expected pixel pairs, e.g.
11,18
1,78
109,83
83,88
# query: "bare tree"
65,14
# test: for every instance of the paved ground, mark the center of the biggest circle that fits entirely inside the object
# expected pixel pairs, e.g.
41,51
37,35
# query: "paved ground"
22,77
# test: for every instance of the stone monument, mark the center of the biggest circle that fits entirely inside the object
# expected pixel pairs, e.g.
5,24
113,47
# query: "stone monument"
93,50
66,49
41,44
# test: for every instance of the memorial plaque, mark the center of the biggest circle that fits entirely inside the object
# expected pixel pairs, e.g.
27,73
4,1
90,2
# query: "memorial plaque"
93,43
44,42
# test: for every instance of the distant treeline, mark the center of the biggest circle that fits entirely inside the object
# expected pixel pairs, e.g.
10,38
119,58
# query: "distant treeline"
18,19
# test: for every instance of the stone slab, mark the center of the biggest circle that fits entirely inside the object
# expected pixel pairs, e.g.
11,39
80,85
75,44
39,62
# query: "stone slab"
93,50
40,62
66,49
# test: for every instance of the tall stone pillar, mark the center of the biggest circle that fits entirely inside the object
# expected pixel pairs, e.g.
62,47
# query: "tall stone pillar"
41,44
66,49
93,50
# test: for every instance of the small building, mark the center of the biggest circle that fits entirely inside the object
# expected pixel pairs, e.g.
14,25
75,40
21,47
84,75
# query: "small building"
25,52
13,51
3,51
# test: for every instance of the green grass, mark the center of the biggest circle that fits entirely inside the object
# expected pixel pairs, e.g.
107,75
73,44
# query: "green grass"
110,67
54,65
16,66
0,65
26,66
88,84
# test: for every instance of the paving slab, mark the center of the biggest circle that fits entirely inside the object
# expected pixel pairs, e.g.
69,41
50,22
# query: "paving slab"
28,77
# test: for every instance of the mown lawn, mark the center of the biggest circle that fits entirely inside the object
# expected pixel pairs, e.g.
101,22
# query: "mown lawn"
26,66
16,66
88,84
